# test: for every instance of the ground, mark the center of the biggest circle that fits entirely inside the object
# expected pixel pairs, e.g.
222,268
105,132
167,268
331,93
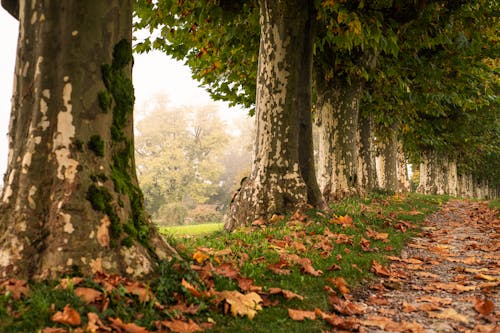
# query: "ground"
379,264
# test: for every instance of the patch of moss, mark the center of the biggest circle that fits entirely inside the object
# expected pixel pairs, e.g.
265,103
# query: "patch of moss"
122,54
105,99
127,242
96,144
101,177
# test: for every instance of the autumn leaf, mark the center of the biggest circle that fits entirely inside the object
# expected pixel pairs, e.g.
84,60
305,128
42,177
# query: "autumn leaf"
88,295
68,316
347,308
341,285
17,288
200,256
240,304
54,330
191,289
379,270
484,306
277,268
300,315
286,293
345,221
227,270
180,326
94,323
140,290
370,233
117,323
65,283
183,308
449,314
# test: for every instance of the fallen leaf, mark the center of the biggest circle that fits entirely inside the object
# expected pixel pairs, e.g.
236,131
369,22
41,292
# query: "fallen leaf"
345,221
286,293
70,282
484,306
200,256
227,270
379,270
370,233
240,304
347,308
117,323
88,295
17,288
68,316
54,330
180,326
140,290
341,285
300,315
94,323
191,289
277,268
449,313
183,308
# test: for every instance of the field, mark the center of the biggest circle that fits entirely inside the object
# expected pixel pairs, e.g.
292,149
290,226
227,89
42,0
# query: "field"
191,230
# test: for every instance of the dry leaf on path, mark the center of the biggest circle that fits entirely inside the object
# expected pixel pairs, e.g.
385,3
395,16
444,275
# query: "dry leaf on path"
180,326
484,306
241,305
379,270
68,316
341,285
300,315
449,313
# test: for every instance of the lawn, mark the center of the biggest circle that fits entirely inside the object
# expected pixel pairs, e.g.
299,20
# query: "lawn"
191,230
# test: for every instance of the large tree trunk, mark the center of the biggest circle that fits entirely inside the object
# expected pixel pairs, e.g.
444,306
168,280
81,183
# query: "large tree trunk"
276,184
387,162
338,109
71,201
367,172
402,173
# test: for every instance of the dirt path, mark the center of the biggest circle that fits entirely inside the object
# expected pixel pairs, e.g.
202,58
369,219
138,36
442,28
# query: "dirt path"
447,279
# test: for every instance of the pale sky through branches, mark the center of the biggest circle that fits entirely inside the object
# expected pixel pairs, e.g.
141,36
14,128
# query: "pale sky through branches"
153,73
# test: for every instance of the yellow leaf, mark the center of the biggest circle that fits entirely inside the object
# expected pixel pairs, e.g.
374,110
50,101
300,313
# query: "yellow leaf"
241,305
200,256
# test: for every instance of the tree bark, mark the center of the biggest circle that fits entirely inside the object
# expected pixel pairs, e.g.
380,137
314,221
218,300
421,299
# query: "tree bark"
367,172
402,172
276,184
338,108
71,202
387,161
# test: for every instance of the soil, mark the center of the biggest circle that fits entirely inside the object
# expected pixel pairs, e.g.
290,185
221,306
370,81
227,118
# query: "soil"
446,280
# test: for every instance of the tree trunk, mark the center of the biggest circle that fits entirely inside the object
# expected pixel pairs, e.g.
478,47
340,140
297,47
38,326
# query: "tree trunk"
367,172
338,107
402,173
276,184
387,162
71,202
452,180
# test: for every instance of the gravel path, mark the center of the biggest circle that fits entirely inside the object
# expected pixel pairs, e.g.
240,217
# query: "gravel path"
446,280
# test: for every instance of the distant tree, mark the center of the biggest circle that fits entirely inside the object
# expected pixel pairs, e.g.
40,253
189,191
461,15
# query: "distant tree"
71,201
178,153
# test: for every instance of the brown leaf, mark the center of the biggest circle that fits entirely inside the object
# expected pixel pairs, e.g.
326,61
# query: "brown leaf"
370,233
117,323
345,221
484,306
300,315
341,285
17,288
241,305
54,330
347,308
286,293
260,221
140,290
277,268
68,316
181,307
95,324
67,282
192,289
88,295
449,313
200,256
380,270
227,270
180,326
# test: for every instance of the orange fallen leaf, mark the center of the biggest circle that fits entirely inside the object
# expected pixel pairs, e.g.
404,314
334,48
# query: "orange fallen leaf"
191,289
17,288
380,270
347,308
345,221
227,269
88,295
300,315
117,323
200,256
484,306
286,293
341,285
140,290
370,233
68,316
180,326
54,330
94,323
449,313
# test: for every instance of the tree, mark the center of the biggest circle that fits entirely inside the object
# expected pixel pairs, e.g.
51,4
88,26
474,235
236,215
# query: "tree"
178,150
71,203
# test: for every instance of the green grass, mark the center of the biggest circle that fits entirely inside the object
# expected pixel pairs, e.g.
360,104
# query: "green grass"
252,249
191,230
494,204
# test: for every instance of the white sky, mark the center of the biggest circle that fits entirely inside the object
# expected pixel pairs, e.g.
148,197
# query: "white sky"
153,73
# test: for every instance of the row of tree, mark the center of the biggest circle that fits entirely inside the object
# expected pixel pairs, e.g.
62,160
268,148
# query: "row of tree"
415,77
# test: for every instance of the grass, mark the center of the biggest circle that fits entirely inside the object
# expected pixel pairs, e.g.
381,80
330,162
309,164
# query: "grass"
249,251
494,204
191,230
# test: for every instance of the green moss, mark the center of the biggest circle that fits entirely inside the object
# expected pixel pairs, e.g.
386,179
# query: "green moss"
122,54
99,177
127,242
99,197
96,144
105,99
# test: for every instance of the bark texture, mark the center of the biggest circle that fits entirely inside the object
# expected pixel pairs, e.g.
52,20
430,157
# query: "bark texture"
367,171
387,162
338,110
276,184
71,202
402,173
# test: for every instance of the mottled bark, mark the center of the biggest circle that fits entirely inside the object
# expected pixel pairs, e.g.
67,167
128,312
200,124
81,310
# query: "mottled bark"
71,201
402,172
438,175
387,161
276,184
338,110
367,172
465,185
